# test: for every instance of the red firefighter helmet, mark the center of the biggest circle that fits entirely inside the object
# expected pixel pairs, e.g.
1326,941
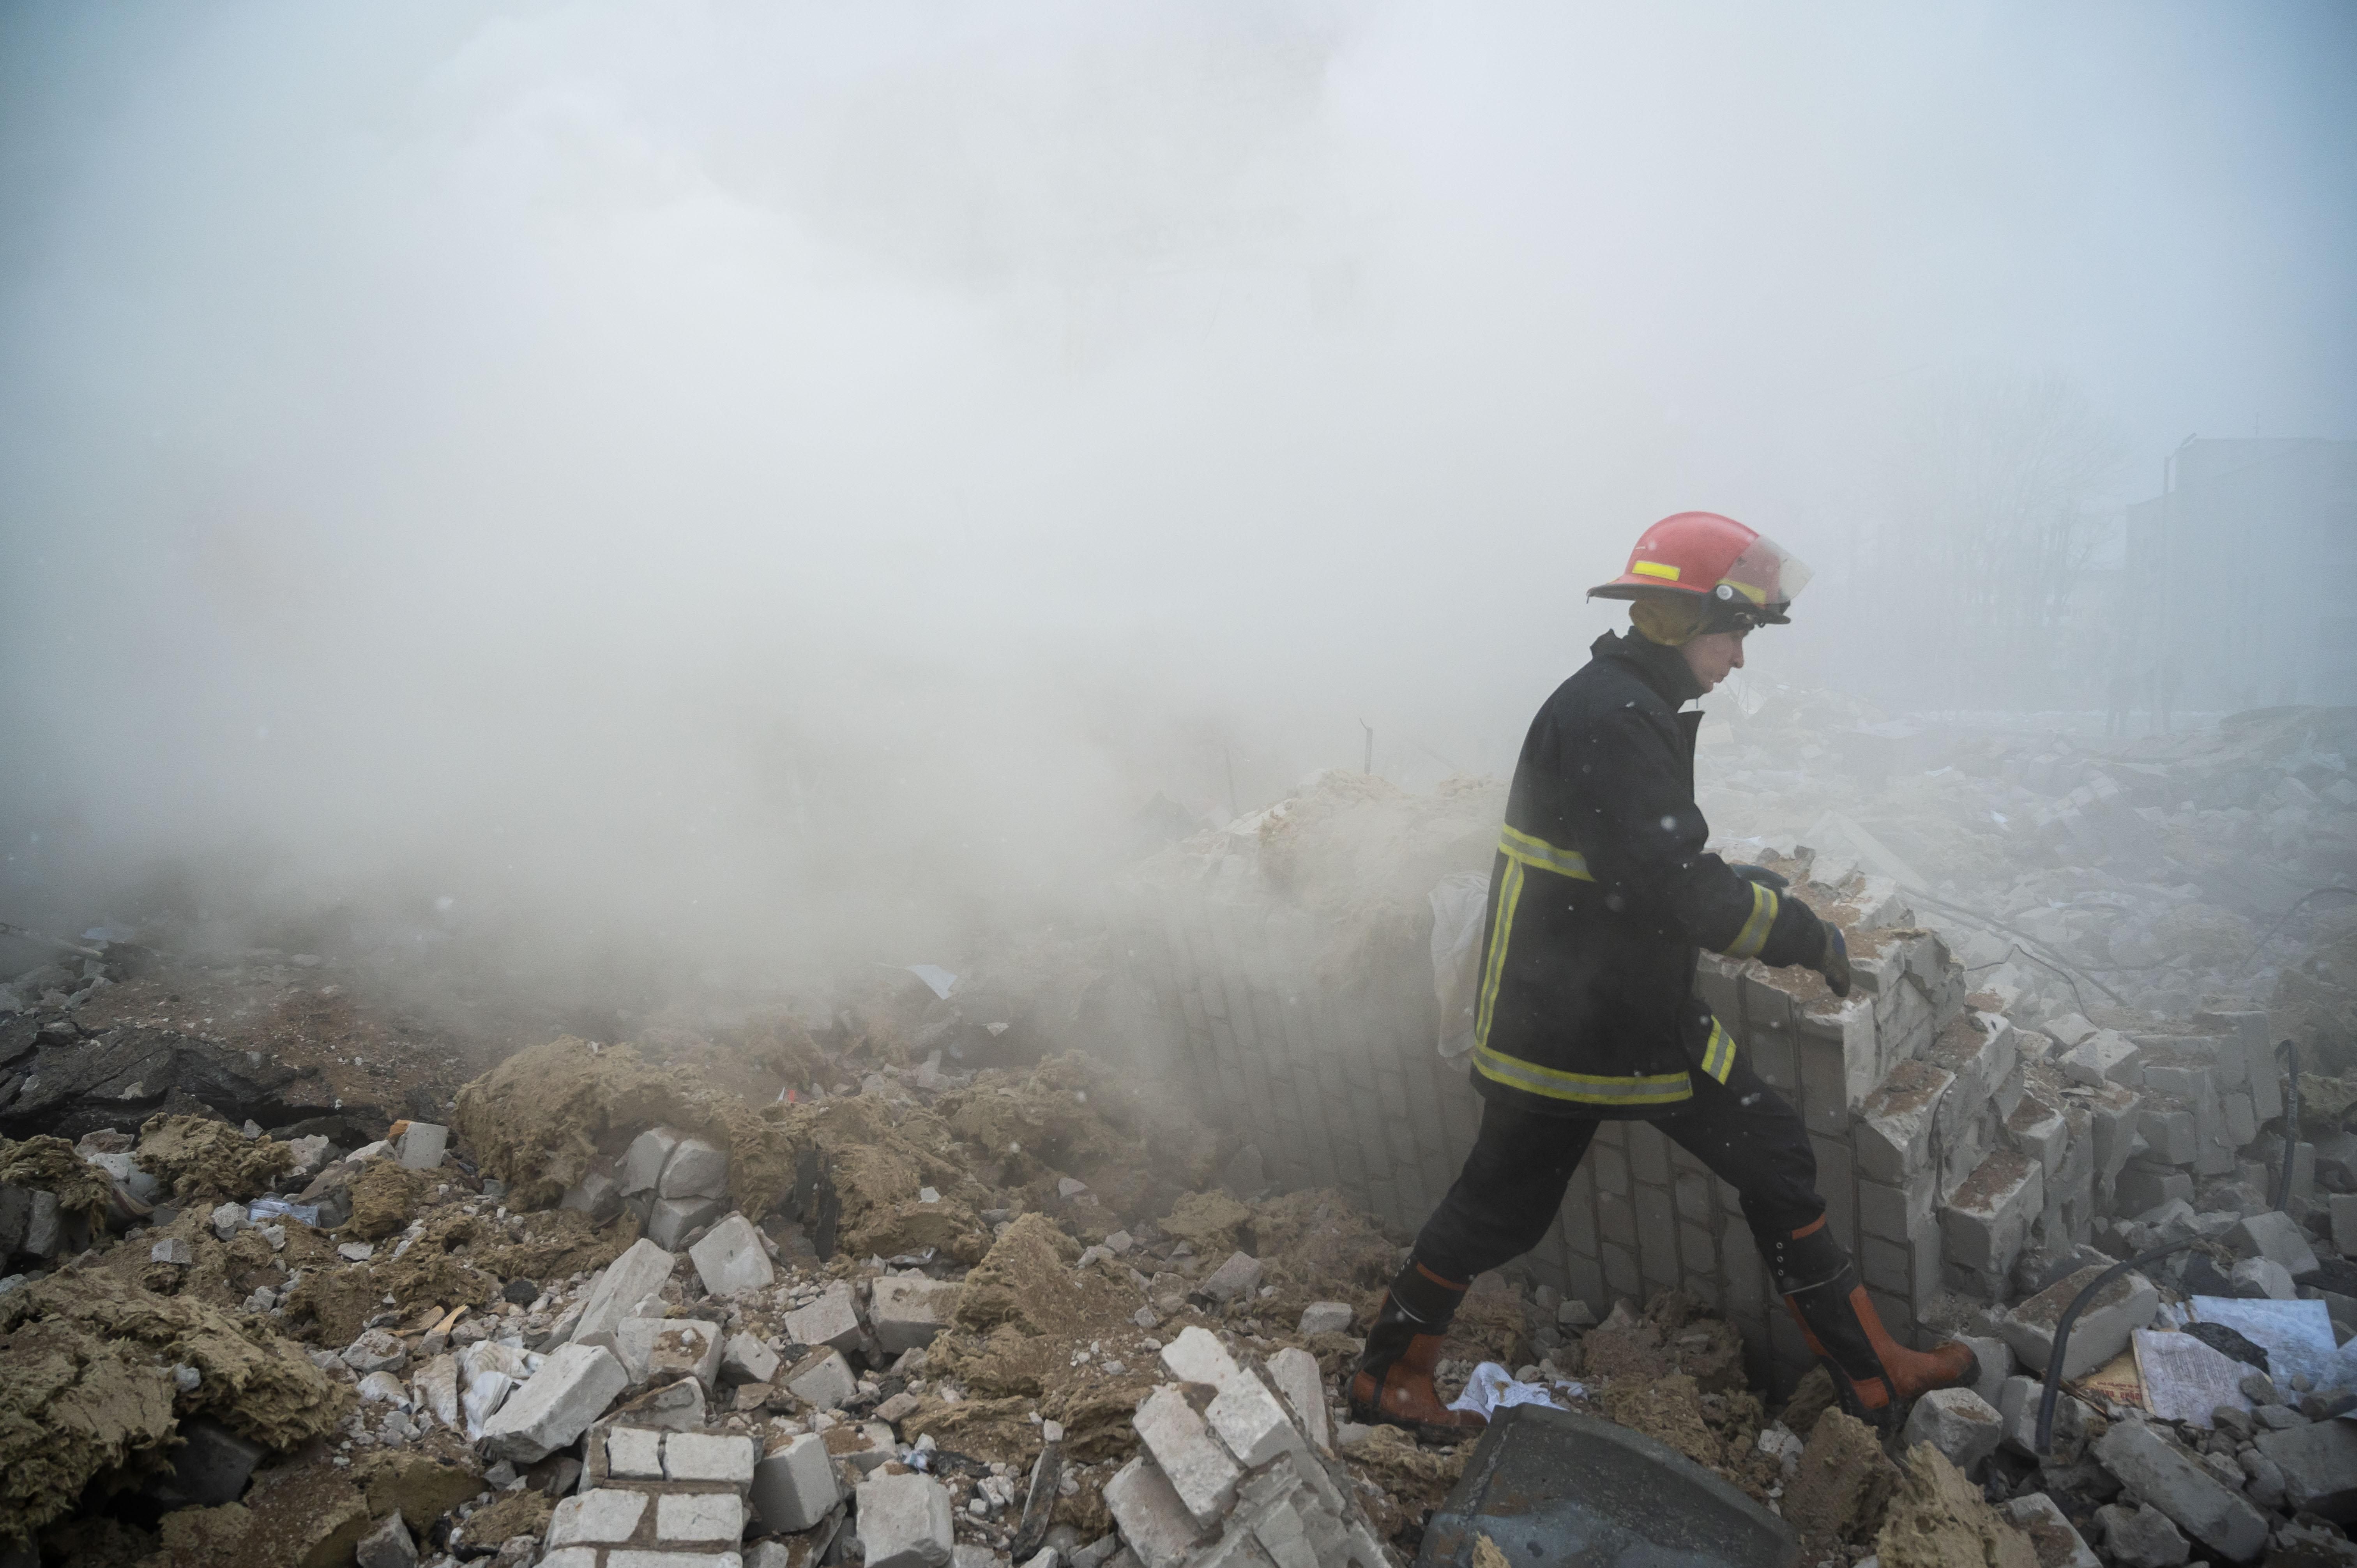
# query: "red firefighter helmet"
1700,554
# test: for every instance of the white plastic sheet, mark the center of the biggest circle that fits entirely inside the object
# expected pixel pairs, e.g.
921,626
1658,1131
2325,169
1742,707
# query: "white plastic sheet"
1491,1388
2295,1335
1461,901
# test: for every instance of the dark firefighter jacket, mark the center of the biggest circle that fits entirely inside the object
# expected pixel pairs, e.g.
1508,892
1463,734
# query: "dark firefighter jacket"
1600,895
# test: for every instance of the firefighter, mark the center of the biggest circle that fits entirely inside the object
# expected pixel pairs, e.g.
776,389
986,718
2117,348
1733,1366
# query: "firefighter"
1600,895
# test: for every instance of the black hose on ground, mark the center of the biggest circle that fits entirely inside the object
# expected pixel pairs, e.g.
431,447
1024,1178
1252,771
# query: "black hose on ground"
2291,1126
2062,1337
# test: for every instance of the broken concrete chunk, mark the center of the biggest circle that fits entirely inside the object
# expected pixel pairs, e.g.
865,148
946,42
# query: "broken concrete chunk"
422,1145
212,1465
1198,1467
628,1280
664,1350
1239,1276
2142,1536
1198,1357
2319,1461
2164,1475
2277,1236
904,1521
908,1314
695,1169
1958,1422
731,1259
378,1350
1295,1373
642,1164
671,1220
2264,1276
675,1407
388,1545
794,1486
228,1218
2069,1030
749,1360
2056,1540
1250,1423
1325,1317
2101,1332
171,1250
1154,1522
831,1320
597,1195
568,1392
823,1380
2104,1056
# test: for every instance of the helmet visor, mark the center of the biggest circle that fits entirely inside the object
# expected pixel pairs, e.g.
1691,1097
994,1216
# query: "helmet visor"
1766,576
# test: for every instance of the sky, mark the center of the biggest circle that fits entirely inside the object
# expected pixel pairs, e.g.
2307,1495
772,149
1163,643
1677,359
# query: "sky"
772,478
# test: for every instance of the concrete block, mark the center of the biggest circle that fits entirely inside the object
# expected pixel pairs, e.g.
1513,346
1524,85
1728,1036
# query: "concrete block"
592,1518
2242,1122
1985,1223
2037,1128
1894,1127
1335,1316
1295,1373
2275,1236
672,1407
1154,1523
658,1557
1199,1469
2057,1542
832,1320
822,1380
2141,1188
1893,1212
597,1195
642,1164
748,1359
2105,1057
700,1516
2016,1405
2101,1332
2168,1129
1958,1422
2068,1030
421,1146
2166,1477
2141,1536
794,1486
628,1280
2266,1277
696,1168
388,1545
664,1350
1980,1057
213,1463
2319,1461
670,1219
634,1453
1239,1276
904,1521
731,1260
571,1390
1196,1356
908,1314
1250,1423
709,1456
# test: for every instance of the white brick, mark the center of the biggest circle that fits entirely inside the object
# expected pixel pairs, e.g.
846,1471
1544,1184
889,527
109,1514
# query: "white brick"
1248,1420
1296,1374
698,1168
795,1487
1199,1469
749,1360
661,1559
605,1515
908,1314
709,1456
635,1452
1154,1523
628,1280
1198,1357
1958,1422
1239,1276
422,1145
698,1516
570,1557
1984,1226
824,1380
642,1167
2276,1237
568,1392
904,1521
830,1320
670,1219
731,1260
2101,1332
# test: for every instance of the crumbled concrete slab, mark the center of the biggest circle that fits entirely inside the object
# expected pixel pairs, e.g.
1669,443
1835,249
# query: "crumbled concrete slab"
572,1388
910,1314
1239,1276
832,1320
2319,1461
822,1380
2141,1536
2164,1475
2277,1236
629,1281
663,1349
748,1359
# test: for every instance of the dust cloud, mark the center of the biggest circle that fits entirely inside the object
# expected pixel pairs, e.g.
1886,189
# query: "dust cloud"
776,484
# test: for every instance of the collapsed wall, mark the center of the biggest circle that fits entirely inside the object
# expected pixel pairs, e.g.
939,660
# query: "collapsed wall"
1966,1162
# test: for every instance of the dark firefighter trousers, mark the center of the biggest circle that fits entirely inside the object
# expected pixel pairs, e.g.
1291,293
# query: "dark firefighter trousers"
1512,1183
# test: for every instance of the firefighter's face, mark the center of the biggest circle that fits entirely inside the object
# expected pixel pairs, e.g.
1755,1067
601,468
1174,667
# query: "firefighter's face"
1712,655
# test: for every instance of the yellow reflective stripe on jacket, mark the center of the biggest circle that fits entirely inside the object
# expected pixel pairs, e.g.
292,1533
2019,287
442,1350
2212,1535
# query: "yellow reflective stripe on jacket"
1719,1057
1586,1089
1518,845
1754,934
1510,894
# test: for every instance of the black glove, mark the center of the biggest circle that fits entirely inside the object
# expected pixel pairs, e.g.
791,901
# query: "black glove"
1763,876
1833,962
